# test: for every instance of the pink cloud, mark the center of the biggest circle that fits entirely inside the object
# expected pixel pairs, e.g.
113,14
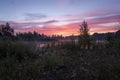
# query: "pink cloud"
69,29
72,27
30,24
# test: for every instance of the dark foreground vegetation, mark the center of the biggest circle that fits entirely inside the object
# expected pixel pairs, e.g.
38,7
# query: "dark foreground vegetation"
23,61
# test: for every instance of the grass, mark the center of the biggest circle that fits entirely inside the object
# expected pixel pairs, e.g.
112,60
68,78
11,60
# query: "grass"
24,61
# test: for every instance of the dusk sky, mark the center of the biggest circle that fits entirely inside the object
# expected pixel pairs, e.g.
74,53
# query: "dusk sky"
60,16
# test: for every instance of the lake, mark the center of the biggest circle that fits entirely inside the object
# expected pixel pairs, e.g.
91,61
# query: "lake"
54,43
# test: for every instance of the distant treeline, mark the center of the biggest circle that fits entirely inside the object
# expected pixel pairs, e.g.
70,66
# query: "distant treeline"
7,33
37,37
103,36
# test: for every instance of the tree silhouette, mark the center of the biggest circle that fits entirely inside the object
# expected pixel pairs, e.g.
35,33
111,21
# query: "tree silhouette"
84,37
1,28
6,31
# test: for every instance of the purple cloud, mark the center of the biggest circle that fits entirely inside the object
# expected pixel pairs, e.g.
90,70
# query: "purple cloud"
51,21
27,25
34,16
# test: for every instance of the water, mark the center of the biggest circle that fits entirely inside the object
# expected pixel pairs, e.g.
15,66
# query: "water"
54,43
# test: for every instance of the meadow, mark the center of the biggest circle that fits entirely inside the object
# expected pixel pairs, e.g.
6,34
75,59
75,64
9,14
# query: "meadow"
26,61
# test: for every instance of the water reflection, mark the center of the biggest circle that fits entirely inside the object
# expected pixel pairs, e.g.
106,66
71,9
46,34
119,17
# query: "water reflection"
54,43
46,44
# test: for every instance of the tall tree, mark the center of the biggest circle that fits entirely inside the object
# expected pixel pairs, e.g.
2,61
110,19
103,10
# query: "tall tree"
7,31
84,37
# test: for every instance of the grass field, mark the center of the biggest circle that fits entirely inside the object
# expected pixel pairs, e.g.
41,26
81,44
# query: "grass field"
25,61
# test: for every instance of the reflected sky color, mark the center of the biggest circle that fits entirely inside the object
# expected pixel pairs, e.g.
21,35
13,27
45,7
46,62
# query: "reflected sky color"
60,16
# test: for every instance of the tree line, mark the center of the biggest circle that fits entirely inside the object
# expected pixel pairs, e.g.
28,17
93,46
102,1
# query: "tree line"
7,33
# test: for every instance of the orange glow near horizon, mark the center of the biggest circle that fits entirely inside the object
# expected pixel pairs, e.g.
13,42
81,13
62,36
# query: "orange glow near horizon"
67,28
68,31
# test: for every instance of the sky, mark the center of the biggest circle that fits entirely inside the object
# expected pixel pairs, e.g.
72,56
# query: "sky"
60,17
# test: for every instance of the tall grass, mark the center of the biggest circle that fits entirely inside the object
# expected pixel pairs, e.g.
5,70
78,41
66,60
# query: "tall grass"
24,61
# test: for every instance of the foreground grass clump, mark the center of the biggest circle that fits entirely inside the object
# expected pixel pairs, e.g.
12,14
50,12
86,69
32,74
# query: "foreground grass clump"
24,61
17,61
